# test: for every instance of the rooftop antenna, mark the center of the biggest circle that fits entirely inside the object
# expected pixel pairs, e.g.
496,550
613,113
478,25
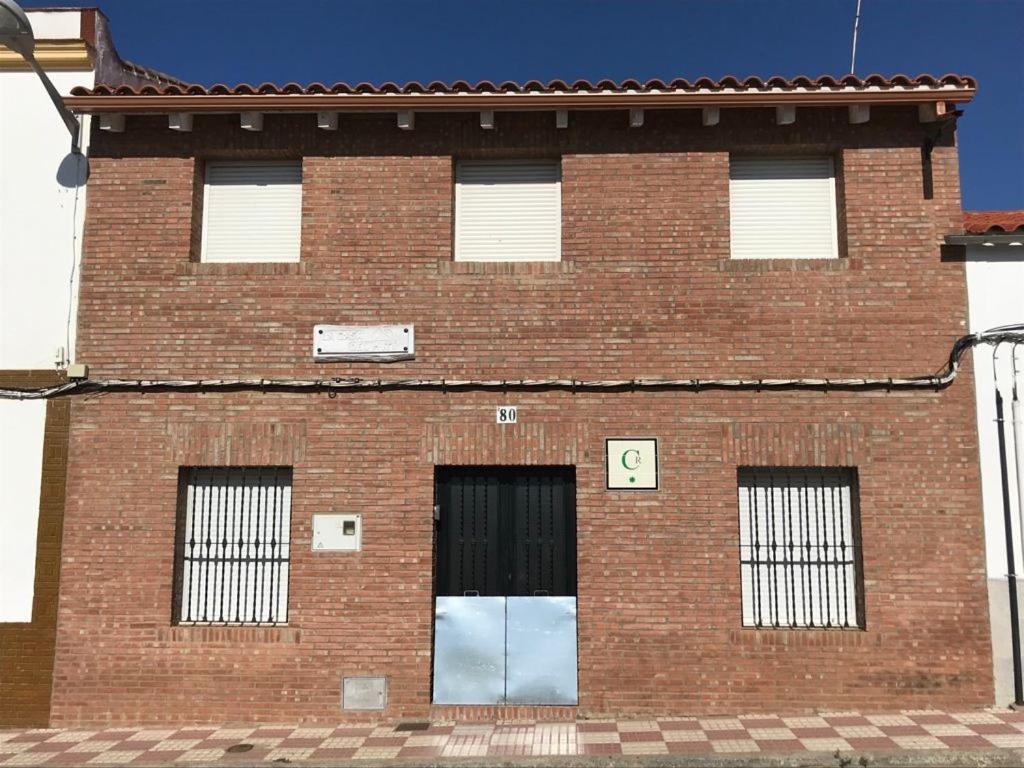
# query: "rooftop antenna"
853,55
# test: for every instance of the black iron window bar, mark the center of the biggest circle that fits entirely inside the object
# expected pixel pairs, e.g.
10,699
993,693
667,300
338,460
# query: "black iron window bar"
233,545
800,553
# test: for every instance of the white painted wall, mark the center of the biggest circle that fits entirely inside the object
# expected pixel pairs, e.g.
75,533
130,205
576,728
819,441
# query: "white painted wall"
40,228
995,286
40,249
55,25
21,453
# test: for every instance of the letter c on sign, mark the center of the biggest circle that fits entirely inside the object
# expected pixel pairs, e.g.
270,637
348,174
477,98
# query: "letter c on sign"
631,459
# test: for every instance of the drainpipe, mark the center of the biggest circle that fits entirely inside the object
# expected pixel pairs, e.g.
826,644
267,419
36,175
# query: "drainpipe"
1011,574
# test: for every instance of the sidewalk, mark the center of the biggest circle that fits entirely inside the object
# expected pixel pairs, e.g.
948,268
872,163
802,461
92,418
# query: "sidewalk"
989,738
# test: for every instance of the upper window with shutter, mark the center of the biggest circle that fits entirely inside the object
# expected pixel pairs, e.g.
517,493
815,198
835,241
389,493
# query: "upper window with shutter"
508,210
252,211
782,208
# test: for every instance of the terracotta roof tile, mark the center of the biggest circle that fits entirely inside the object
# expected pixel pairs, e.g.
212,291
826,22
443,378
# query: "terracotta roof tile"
993,222
823,82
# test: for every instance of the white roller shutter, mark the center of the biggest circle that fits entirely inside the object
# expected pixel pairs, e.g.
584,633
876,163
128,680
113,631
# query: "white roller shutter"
252,211
508,211
782,208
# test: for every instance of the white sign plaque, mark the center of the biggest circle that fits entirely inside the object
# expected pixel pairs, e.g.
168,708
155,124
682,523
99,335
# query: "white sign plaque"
632,463
364,343
506,414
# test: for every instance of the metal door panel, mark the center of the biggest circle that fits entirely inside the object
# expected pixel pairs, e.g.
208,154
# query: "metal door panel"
541,650
506,531
507,534
543,526
469,650
469,553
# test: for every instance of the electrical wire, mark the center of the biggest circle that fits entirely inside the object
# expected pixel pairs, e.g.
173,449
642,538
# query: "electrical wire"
79,182
936,381
1013,369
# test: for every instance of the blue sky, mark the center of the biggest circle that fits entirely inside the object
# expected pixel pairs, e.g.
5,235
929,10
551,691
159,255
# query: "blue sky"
253,41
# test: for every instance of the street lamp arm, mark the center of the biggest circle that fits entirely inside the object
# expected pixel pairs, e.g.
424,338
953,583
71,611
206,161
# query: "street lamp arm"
16,34
66,115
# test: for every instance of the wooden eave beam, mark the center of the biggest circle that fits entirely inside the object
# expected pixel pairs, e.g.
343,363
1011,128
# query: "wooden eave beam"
477,102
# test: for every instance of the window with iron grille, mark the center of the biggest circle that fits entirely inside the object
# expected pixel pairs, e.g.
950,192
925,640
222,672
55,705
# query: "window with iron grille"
233,545
800,557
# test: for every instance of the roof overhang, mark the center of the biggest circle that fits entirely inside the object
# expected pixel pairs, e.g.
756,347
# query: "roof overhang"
996,238
161,103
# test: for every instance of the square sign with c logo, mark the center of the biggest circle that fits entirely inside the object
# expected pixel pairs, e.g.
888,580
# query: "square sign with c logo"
632,463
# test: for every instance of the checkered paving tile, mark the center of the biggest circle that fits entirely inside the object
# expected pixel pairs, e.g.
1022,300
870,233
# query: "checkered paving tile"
827,732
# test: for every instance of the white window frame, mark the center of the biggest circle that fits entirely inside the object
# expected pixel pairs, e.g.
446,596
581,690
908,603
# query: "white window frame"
204,253
460,247
833,214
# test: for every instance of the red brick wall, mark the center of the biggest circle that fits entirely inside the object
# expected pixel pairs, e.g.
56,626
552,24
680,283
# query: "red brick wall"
645,288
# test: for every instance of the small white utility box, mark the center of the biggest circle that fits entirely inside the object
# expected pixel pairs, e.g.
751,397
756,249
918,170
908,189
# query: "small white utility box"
337,533
364,343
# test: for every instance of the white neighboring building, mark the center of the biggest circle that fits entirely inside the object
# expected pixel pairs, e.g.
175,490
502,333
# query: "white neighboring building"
994,243
42,209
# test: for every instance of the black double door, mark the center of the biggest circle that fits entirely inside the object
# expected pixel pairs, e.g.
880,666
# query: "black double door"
506,531
505,611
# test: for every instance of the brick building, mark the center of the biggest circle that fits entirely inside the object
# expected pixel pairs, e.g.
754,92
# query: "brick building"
647,533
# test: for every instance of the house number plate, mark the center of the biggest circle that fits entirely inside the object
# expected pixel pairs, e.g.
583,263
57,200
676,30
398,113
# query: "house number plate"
506,414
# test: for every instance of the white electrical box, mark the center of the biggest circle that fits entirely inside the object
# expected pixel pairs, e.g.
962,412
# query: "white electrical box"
366,343
337,533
